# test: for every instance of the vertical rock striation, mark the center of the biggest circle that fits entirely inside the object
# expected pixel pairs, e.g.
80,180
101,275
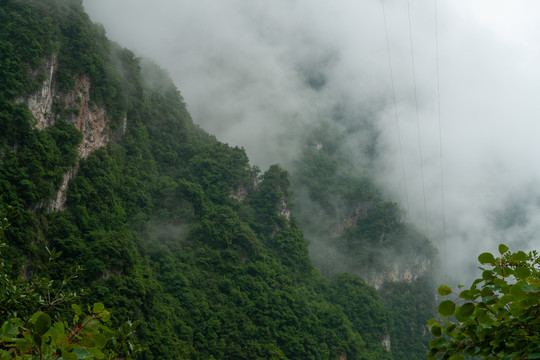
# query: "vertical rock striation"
89,119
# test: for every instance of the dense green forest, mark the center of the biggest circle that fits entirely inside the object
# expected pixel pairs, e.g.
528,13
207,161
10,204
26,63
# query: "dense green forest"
178,230
354,229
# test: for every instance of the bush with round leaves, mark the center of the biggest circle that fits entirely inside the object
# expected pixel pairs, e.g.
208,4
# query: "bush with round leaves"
497,317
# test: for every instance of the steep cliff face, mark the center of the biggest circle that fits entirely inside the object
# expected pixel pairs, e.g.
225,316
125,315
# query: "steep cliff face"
392,266
400,270
40,103
48,104
90,120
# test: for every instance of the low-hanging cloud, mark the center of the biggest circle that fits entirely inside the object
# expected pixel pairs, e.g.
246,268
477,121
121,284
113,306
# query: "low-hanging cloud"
254,72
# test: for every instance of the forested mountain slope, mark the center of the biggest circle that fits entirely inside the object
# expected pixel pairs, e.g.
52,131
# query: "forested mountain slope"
100,159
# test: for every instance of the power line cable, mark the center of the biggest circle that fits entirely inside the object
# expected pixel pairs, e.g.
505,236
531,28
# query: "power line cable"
417,117
440,142
395,106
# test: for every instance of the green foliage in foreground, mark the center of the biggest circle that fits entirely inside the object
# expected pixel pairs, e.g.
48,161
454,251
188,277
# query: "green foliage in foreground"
34,324
86,337
497,317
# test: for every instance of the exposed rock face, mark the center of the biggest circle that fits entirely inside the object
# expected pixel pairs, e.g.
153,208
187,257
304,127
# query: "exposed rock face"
40,103
61,196
284,210
392,267
240,193
386,342
89,119
359,213
407,270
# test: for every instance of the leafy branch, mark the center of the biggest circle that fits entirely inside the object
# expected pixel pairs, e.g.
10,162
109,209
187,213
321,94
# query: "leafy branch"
497,317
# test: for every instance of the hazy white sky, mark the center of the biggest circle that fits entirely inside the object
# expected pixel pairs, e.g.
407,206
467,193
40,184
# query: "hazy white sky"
241,66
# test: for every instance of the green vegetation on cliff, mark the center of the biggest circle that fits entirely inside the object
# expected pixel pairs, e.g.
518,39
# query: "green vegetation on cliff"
354,229
171,227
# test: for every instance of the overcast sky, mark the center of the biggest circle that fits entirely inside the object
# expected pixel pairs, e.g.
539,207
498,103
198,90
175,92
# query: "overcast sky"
243,68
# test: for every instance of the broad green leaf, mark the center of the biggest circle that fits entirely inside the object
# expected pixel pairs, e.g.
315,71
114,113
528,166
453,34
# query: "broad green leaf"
522,272
487,274
446,308
516,289
96,353
517,309
43,323
77,309
469,294
59,326
519,256
530,289
82,353
98,307
105,316
464,312
499,282
436,330
506,299
490,299
435,343
449,329
502,249
486,258
35,316
444,290
101,340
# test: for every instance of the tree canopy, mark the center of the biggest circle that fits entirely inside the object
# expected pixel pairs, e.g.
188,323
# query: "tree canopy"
173,228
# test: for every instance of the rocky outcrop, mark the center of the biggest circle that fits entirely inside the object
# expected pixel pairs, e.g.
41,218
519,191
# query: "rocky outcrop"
40,103
61,196
242,191
77,109
387,343
90,120
284,210
402,270
350,222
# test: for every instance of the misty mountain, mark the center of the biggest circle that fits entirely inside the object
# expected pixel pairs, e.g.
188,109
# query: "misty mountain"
101,160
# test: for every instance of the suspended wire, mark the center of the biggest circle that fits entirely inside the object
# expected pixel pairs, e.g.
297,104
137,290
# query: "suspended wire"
440,142
417,117
395,106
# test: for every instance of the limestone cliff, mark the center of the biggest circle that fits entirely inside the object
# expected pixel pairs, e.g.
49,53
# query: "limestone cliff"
77,109
405,269
390,266
40,103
